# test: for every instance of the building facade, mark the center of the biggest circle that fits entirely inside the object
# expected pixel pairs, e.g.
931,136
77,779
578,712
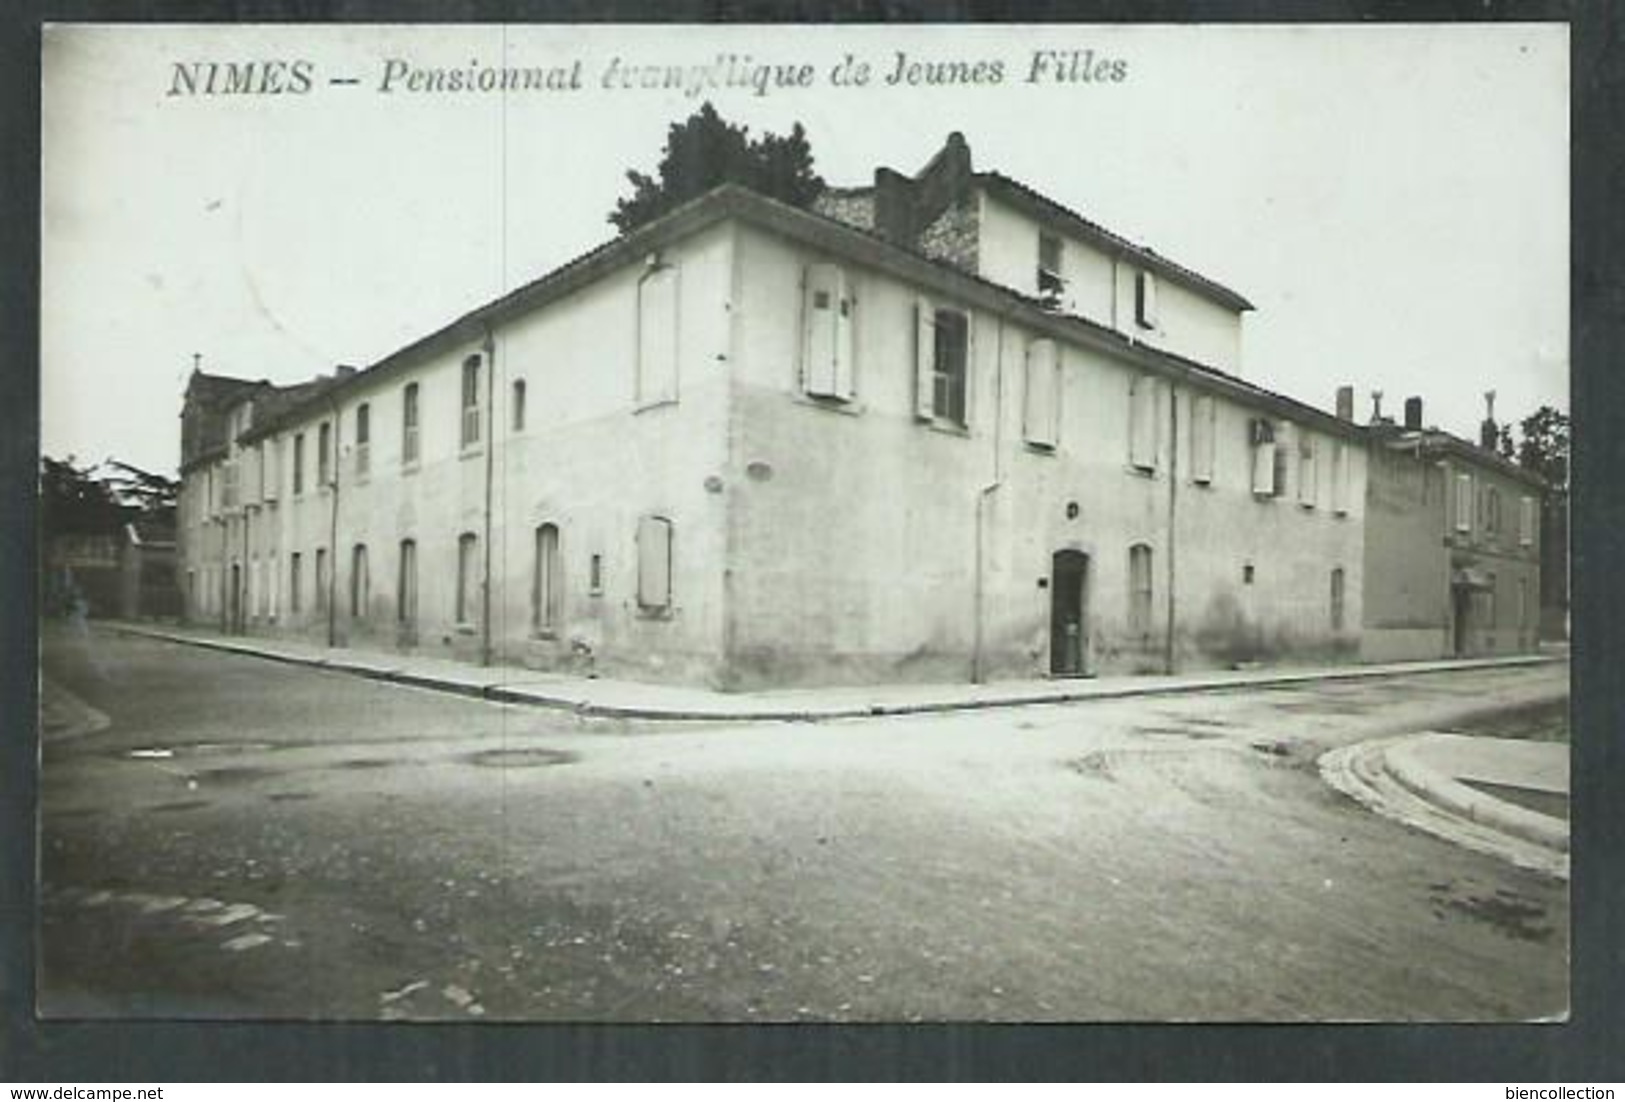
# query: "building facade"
935,429
1453,547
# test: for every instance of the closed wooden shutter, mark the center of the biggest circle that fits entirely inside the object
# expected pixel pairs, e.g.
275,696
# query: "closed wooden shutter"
925,345
1040,412
1202,416
654,562
657,337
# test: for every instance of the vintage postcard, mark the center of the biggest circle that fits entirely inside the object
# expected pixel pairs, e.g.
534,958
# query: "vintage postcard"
766,523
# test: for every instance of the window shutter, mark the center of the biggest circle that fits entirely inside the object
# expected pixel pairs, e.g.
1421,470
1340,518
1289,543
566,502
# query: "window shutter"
1464,503
1143,423
821,306
1202,415
845,339
1145,300
1308,470
1264,469
925,343
657,337
1340,477
1043,390
654,562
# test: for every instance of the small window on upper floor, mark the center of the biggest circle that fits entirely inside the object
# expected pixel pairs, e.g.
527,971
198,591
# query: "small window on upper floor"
1340,478
324,455
518,404
471,401
409,424
657,339
828,336
1142,423
1464,502
1041,409
1145,300
363,439
1203,415
298,463
1050,281
1308,471
1261,438
942,365
1526,521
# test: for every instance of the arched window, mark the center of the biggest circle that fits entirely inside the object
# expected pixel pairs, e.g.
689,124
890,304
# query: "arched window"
360,584
406,585
1139,587
468,577
547,583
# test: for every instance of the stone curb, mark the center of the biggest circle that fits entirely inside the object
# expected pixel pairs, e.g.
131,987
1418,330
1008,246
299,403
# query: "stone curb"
1544,830
501,691
1360,771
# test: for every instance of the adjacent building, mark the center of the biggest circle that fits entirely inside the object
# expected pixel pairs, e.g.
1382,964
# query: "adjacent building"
936,428
1453,545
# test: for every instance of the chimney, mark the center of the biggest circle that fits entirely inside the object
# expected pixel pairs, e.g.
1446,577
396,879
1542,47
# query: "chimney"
1413,413
894,206
1488,431
1345,403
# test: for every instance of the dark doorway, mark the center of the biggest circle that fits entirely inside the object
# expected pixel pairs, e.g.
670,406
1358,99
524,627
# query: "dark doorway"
236,612
1068,619
1461,601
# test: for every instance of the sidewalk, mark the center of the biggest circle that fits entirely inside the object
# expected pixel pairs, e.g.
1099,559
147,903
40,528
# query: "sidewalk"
605,697
1427,781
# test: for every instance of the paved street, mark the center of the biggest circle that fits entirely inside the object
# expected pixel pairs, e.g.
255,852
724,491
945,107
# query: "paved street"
240,838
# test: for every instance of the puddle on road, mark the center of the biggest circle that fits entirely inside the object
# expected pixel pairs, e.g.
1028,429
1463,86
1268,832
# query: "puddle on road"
233,774
179,805
280,797
1177,732
364,763
1508,911
529,757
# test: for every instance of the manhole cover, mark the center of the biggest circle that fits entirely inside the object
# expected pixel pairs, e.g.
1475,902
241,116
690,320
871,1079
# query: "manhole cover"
521,759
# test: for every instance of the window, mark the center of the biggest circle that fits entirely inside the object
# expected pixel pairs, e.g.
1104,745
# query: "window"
1050,283
1308,474
406,584
1489,602
827,339
296,589
360,583
1203,415
409,424
1139,590
1464,502
299,463
942,348
363,439
1492,510
471,402
321,579
468,574
595,576
1526,521
1523,604
1041,412
1145,300
1340,477
656,380
1247,573
324,454
546,584
1337,599
654,563
518,405
1142,423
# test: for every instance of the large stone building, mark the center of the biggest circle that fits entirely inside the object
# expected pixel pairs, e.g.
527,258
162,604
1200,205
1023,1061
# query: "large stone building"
937,428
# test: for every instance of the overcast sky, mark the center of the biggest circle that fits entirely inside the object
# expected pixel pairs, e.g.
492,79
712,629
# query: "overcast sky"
1394,200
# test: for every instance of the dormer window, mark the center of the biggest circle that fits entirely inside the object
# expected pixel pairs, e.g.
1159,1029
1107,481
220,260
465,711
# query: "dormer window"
1050,283
1145,300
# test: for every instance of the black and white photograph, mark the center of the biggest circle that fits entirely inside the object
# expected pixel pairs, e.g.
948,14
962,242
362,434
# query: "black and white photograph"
839,524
